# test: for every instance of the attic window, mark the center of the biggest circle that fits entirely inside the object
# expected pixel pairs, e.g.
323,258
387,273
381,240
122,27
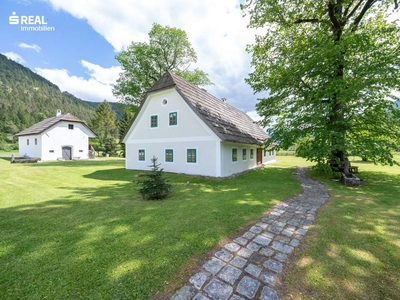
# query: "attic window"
71,126
164,102
154,121
173,118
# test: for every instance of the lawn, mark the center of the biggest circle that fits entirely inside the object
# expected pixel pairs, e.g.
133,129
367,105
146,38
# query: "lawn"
353,251
78,230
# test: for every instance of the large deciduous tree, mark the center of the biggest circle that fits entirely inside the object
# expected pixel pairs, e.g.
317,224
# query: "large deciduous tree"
144,63
331,69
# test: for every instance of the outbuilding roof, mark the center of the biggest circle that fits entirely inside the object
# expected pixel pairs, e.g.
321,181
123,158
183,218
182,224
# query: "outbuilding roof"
228,122
42,126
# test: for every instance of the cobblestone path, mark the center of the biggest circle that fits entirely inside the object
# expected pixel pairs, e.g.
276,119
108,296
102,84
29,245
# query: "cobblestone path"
247,267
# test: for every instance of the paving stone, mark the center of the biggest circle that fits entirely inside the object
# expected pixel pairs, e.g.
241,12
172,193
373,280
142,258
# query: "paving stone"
268,294
184,293
268,235
224,255
279,224
261,240
232,247
268,277
218,290
241,241
287,232
200,297
282,239
238,262
268,220
301,231
281,247
214,265
245,252
230,274
273,265
236,297
248,235
275,229
199,279
256,258
262,225
253,270
294,243
253,246
266,251
256,229
280,256
248,287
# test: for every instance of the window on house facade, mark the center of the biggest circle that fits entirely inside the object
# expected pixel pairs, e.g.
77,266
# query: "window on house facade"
271,153
35,141
169,155
265,152
234,154
71,126
27,142
154,121
51,151
244,154
251,153
80,150
173,118
191,156
142,155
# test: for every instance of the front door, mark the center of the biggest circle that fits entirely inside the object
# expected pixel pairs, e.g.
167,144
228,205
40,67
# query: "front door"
67,153
259,156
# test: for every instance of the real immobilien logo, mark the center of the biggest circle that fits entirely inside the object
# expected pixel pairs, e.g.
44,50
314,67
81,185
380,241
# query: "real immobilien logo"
30,23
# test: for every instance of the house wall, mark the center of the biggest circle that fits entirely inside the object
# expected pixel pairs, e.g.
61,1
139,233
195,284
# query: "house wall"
33,149
50,143
269,156
190,132
229,166
59,135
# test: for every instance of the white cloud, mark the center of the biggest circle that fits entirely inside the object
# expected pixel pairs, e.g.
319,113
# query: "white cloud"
97,88
27,46
15,57
216,29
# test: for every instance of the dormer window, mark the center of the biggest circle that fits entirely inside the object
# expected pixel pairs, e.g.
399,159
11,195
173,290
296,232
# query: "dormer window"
71,126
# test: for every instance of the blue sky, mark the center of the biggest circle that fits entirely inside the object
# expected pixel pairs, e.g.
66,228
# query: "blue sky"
79,53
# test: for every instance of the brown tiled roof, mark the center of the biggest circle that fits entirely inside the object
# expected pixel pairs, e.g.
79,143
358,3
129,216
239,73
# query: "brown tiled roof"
38,128
228,122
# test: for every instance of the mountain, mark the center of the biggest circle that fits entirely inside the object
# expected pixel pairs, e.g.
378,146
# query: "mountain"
27,98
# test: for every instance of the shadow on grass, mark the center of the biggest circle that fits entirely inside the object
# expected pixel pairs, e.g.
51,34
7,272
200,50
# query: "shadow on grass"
106,243
353,252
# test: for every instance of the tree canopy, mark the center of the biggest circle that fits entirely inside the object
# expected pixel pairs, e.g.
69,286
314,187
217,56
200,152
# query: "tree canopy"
144,63
331,69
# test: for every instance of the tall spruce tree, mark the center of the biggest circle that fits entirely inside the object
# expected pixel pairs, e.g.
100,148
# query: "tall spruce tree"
105,124
332,68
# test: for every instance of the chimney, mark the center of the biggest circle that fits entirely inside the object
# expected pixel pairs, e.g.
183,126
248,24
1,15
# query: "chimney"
223,100
58,113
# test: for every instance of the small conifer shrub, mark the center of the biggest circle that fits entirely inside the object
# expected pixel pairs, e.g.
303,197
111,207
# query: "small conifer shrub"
155,186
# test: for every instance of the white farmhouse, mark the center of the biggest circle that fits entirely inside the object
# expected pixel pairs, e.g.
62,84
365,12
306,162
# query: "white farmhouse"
62,136
191,131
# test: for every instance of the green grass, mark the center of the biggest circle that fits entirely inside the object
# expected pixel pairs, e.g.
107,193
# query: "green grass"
353,251
77,230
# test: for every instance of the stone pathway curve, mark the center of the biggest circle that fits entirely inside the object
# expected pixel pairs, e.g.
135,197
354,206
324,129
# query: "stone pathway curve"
247,267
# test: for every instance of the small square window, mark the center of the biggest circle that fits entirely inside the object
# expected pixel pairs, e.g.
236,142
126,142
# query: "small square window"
80,150
169,155
154,121
173,118
251,153
191,156
51,151
142,155
71,126
234,154
244,154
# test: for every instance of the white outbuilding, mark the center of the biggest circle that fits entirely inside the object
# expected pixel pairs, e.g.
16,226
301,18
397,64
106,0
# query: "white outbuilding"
60,137
190,131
